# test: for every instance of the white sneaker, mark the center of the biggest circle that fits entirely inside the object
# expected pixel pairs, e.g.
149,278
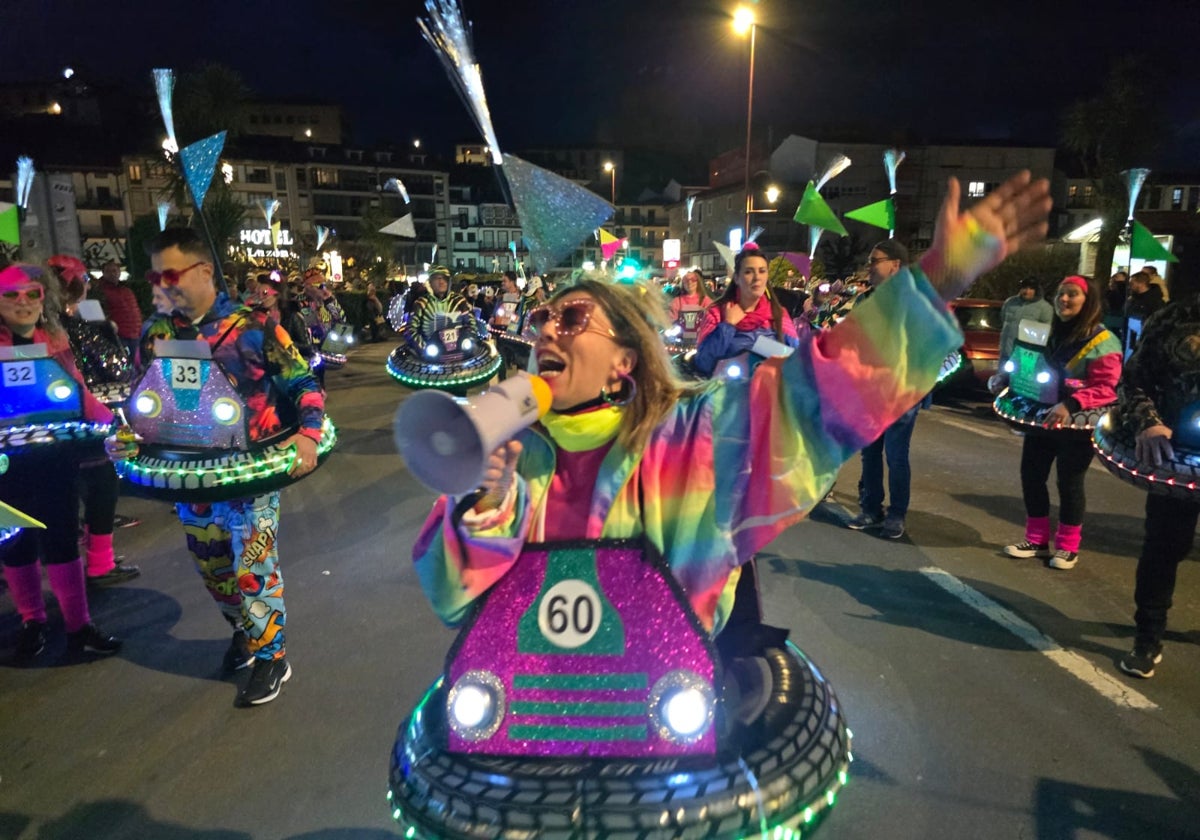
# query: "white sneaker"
1025,549
1064,559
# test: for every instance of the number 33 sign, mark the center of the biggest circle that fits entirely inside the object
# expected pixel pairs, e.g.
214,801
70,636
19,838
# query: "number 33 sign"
569,613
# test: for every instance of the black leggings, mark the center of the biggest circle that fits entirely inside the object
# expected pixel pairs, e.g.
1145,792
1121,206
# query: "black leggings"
43,485
99,488
1073,451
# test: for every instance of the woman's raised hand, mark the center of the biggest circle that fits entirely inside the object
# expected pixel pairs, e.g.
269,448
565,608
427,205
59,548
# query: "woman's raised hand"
968,243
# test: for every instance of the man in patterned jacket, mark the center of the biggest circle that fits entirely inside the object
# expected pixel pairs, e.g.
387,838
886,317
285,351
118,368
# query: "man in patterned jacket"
451,306
234,542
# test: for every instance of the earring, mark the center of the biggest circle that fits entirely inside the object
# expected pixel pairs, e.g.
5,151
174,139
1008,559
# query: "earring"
627,399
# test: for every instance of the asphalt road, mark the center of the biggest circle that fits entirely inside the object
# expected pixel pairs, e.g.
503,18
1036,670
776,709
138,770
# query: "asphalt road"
982,691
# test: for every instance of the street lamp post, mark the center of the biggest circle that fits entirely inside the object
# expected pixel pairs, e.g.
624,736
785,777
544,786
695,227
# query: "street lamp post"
743,22
611,169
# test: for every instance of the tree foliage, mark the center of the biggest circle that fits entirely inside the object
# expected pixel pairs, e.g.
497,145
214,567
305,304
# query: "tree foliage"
1119,128
1048,264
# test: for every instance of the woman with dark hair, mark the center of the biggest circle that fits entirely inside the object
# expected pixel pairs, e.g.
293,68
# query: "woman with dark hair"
748,309
41,480
1086,360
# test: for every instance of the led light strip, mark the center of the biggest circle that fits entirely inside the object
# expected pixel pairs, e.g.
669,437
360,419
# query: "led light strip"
274,461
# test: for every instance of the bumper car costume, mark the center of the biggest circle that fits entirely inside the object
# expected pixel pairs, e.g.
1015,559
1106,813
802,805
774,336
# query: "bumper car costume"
444,345
1038,380
213,424
608,684
326,321
1159,388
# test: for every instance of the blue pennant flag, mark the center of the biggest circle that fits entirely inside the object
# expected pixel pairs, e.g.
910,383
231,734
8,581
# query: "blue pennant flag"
199,163
556,214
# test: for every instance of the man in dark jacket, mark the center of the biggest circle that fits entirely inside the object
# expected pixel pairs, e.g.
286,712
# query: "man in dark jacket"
1144,299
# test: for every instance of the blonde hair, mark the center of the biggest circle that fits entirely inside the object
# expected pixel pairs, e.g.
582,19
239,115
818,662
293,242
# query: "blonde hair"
44,276
638,315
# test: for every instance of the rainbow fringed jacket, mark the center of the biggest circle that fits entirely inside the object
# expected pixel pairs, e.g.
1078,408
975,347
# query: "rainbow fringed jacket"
258,356
729,469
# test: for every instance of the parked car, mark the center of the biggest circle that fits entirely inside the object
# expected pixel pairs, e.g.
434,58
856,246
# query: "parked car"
980,322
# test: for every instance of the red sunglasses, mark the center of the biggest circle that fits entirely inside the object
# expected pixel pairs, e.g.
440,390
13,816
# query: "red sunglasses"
570,318
29,293
169,276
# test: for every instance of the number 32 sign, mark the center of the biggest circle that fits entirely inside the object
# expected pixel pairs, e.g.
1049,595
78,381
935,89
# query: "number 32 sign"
570,613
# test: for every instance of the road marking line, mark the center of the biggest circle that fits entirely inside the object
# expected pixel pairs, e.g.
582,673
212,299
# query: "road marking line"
1074,664
959,424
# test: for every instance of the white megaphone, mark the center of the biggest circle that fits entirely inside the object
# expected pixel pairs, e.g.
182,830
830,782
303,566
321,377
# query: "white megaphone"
446,442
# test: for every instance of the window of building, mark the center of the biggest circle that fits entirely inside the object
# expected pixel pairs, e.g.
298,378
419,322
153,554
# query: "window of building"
103,196
301,177
470,236
325,177
976,189
281,180
135,173
1088,192
1072,190
108,225
650,217
258,175
1193,201
488,240
463,221
458,236
254,119
278,119
1177,198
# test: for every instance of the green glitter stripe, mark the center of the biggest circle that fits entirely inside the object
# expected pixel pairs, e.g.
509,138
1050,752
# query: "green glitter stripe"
577,733
581,682
573,709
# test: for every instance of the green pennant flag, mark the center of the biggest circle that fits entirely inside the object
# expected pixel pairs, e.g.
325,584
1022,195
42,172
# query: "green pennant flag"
10,224
881,214
814,212
1143,246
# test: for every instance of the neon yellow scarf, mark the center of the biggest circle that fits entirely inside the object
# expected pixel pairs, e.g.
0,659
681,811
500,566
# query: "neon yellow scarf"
586,430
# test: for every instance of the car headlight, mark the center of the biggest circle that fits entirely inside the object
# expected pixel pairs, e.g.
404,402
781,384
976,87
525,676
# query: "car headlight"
682,706
1043,377
226,411
467,344
148,404
431,351
59,391
1010,366
476,705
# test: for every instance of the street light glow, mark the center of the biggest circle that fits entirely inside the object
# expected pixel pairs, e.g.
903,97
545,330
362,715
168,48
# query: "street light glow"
743,19
772,193
608,166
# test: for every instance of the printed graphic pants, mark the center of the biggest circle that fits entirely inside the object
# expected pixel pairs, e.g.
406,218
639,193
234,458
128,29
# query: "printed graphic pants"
234,547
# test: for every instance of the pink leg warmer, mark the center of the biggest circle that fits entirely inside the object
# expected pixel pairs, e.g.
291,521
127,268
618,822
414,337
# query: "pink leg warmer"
25,586
1068,537
1037,530
70,588
100,557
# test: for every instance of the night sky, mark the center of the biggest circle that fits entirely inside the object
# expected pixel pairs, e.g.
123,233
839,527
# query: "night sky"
665,73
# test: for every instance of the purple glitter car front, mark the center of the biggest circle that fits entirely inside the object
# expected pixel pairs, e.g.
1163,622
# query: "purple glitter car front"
583,647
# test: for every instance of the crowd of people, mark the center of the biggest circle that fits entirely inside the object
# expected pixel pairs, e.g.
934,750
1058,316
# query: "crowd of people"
599,346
